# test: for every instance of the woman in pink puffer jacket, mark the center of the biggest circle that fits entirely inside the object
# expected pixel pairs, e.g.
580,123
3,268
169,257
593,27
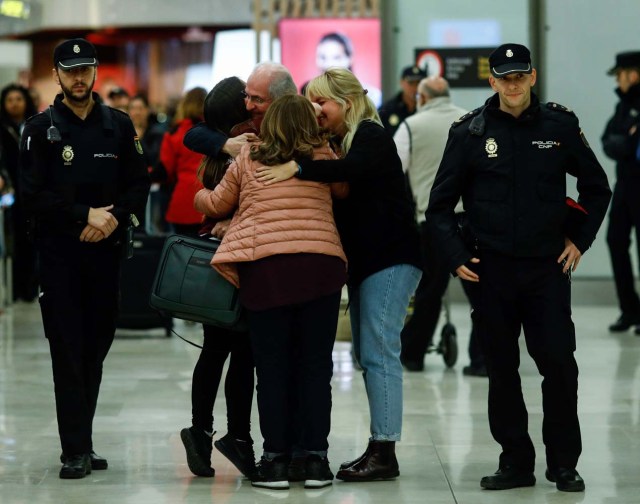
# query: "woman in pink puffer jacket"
283,251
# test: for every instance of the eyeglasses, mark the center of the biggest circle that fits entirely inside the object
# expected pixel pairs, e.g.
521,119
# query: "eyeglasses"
253,98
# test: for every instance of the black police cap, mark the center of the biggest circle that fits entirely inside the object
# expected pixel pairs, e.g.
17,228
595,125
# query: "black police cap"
629,59
413,73
510,58
118,91
74,53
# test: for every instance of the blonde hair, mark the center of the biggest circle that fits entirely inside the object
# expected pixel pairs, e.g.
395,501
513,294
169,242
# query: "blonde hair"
289,130
341,86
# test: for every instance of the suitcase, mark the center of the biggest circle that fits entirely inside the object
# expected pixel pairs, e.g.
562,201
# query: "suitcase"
137,276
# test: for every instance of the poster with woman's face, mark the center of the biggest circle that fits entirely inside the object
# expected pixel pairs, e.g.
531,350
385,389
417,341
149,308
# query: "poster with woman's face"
310,46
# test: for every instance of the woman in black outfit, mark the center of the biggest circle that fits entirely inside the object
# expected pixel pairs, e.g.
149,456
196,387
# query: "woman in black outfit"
224,108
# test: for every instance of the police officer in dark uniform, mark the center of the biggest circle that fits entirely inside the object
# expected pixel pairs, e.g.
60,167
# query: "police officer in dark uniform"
404,103
620,142
84,181
508,161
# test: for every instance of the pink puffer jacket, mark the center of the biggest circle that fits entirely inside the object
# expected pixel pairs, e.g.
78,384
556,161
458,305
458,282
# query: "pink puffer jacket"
290,217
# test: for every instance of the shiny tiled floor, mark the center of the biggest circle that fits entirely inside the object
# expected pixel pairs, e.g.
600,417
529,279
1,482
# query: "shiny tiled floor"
446,447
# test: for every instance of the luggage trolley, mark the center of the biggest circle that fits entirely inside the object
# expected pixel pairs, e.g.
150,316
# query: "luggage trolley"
448,345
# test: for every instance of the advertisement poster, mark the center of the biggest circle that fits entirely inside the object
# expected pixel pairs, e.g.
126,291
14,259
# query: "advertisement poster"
310,46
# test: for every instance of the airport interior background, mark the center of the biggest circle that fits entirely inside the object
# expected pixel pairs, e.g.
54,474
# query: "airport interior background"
164,47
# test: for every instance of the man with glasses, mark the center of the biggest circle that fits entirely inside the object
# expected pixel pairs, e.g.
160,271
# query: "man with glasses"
620,142
267,82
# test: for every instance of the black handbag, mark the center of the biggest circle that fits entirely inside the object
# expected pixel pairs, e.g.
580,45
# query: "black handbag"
187,287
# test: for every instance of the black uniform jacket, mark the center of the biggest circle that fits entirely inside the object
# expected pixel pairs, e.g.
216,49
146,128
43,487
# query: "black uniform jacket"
98,162
376,221
617,143
393,112
511,174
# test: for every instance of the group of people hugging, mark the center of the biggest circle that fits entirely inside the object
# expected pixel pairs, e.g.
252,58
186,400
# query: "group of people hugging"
317,199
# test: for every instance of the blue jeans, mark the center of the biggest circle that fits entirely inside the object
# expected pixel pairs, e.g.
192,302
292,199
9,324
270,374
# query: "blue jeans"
378,307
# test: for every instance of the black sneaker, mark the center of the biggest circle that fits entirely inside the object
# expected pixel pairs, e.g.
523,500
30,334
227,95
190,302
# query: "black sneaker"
239,452
296,470
318,473
272,474
197,443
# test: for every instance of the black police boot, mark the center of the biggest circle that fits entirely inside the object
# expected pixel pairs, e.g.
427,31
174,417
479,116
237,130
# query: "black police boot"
98,463
76,466
624,322
508,477
566,480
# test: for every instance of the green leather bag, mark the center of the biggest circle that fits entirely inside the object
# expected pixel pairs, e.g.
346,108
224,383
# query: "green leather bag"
187,287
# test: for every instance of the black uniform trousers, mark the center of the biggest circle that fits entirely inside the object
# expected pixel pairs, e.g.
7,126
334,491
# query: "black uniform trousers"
624,217
292,348
78,301
417,334
532,294
220,344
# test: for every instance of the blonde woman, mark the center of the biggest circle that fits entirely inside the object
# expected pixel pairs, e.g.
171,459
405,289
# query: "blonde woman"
381,241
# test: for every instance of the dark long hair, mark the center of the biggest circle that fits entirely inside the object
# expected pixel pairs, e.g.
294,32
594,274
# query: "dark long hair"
30,108
224,108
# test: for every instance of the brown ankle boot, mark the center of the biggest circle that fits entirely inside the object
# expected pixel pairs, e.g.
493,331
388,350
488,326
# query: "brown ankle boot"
350,463
377,463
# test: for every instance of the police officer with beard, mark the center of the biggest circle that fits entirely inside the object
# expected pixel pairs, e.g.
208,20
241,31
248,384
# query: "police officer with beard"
84,181
508,161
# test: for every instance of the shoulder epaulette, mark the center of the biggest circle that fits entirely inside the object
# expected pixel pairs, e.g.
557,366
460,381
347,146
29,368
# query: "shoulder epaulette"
466,117
117,111
37,115
559,108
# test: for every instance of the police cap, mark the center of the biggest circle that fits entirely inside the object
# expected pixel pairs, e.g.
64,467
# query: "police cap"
510,58
629,59
413,73
116,92
74,53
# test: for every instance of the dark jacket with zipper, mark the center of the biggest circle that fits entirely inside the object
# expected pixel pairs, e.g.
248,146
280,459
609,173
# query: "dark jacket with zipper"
617,143
511,174
98,162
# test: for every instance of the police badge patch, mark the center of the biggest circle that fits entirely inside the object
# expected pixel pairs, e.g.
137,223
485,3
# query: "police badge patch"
136,141
67,154
491,147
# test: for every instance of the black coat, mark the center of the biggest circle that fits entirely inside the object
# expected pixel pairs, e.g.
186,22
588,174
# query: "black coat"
511,175
617,143
98,162
376,221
